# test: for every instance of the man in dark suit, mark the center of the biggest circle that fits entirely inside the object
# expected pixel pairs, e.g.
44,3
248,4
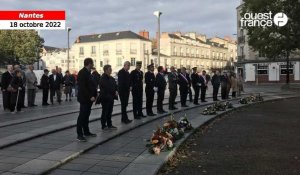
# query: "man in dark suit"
45,87
136,83
86,97
17,66
184,84
196,85
150,84
124,90
108,93
216,81
173,80
161,84
6,80
203,82
55,81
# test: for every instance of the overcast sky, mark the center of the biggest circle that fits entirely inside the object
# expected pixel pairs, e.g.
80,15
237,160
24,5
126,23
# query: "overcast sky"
210,17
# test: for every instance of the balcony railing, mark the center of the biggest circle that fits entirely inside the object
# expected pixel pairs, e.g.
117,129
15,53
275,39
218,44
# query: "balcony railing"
241,58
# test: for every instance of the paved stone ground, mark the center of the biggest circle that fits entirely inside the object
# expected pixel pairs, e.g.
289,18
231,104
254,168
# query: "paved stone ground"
259,140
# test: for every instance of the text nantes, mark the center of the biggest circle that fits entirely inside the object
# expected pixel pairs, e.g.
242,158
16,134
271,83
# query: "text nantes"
30,15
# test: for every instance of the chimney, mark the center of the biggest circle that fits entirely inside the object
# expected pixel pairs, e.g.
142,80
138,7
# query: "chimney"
78,40
144,34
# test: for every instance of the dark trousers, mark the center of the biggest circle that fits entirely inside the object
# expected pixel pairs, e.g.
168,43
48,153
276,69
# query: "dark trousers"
160,99
83,119
149,100
15,101
215,92
203,93
137,102
172,97
30,97
22,97
183,96
45,96
233,94
6,99
223,92
52,94
107,109
124,97
197,90
190,94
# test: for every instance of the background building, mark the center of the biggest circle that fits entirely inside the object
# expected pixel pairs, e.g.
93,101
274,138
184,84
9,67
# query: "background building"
112,48
256,68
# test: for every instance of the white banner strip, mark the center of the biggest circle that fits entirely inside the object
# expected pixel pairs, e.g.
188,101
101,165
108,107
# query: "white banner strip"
33,24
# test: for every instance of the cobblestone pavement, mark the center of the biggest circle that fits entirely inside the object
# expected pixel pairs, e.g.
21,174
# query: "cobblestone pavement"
260,140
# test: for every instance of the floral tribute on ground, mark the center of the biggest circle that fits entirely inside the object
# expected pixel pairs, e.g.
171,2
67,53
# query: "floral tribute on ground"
218,106
163,138
251,99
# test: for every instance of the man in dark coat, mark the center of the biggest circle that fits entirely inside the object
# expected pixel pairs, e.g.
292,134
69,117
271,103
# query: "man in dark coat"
45,87
224,83
150,84
5,81
173,80
161,84
22,92
136,83
203,82
124,90
55,81
108,93
216,81
196,85
184,85
16,86
86,97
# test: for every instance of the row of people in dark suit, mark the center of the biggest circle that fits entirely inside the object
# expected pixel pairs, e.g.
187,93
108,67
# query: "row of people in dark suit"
13,84
54,84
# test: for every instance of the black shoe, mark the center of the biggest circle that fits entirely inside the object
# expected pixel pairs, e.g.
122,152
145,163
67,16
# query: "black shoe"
143,116
105,128
66,99
151,114
70,99
127,121
23,106
175,103
172,108
90,135
81,139
203,101
112,127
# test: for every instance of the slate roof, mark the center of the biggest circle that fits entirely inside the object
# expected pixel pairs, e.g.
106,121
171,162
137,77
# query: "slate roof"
110,36
174,36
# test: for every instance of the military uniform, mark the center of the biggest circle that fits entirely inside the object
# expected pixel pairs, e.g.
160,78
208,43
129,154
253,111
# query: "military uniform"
136,82
150,83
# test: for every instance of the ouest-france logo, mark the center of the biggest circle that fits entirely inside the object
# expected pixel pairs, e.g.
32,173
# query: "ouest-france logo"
264,19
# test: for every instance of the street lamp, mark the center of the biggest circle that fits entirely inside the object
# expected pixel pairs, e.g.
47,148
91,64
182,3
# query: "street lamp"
158,14
68,51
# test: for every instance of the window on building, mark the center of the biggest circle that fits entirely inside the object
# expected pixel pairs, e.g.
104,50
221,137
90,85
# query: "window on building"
133,49
181,51
81,51
105,50
262,69
93,49
132,61
101,63
166,62
187,52
283,69
119,61
119,49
